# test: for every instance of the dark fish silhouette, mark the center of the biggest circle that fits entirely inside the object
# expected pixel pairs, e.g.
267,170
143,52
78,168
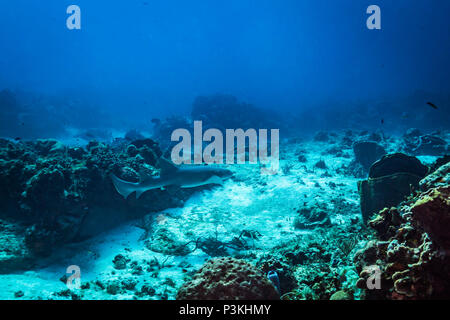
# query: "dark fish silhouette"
432,105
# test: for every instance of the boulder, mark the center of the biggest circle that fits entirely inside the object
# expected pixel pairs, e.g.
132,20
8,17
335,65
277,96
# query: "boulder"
418,144
430,145
228,279
310,219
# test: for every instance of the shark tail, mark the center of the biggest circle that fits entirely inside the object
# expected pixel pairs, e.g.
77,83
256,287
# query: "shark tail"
125,188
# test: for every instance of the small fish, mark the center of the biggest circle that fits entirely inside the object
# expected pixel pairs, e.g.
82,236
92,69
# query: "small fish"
382,121
432,105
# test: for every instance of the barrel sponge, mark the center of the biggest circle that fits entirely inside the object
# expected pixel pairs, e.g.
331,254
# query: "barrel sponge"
228,279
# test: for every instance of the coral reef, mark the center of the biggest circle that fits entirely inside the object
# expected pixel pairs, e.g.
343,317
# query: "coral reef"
228,279
315,266
295,235
64,194
432,213
438,177
284,271
411,248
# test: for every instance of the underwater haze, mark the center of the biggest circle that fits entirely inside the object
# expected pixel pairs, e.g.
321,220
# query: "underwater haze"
144,59
102,196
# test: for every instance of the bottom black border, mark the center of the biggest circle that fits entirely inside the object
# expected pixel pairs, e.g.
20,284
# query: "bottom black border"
221,309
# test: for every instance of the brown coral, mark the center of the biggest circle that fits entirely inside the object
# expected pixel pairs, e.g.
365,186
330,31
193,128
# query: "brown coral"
413,260
228,279
440,177
432,212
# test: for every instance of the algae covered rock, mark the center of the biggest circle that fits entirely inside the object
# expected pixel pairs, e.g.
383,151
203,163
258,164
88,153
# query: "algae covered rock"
429,144
439,177
410,250
14,254
228,279
386,222
44,192
311,218
120,262
341,295
49,147
432,212
166,242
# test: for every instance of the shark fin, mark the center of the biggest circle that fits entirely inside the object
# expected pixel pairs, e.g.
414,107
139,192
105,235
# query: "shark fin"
139,193
166,166
123,187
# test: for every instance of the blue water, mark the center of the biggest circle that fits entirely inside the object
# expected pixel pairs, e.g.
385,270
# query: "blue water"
138,69
147,59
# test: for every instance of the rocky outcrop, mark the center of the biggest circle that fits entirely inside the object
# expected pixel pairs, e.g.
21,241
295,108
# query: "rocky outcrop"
430,144
310,218
439,177
411,249
228,279
283,272
64,194
14,253
432,212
